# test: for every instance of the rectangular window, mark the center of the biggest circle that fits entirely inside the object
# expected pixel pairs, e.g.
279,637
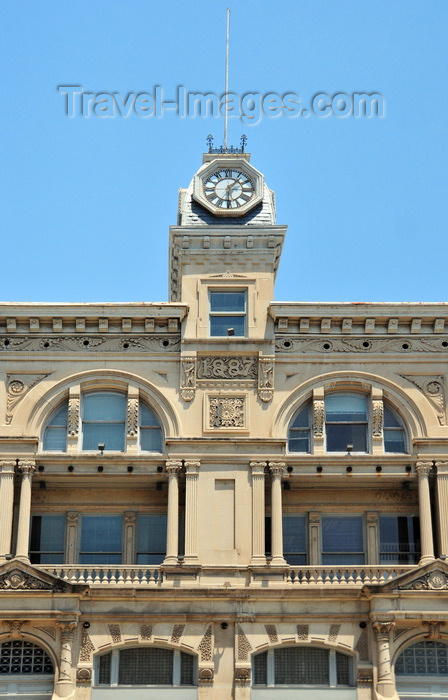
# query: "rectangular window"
346,422
228,313
47,539
101,539
399,539
342,540
146,666
104,420
151,539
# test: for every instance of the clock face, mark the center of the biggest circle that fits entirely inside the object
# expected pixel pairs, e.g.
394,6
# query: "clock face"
228,188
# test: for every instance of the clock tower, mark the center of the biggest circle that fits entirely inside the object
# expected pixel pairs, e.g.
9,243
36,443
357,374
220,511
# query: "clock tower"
226,247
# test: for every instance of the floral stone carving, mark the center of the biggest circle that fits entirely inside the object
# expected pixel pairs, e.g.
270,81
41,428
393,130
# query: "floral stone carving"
227,412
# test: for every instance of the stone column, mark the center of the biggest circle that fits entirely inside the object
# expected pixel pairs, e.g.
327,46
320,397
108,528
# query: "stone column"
26,467
424,500
173,469
442,500
191,512
276,469
7,467
65,685
385,686
258,513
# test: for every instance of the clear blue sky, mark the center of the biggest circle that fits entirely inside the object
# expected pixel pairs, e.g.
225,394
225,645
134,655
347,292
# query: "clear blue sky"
87,202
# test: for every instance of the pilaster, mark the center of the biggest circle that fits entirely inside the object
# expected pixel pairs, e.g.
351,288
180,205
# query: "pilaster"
258,513
191,511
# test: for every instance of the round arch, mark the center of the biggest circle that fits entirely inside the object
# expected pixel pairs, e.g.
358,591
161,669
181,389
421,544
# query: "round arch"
421,666
34,414
414,418
25,658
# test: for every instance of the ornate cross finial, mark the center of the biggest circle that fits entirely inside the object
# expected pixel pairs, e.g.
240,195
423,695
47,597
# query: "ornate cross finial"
243,142
210,140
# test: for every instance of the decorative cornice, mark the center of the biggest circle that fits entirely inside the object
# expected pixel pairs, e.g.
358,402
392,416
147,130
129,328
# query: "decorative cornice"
90,344
361,344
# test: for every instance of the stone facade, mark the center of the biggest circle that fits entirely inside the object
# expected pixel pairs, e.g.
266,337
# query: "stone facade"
242,494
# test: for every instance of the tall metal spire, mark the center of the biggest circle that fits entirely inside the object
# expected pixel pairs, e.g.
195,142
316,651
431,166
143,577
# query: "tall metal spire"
226,116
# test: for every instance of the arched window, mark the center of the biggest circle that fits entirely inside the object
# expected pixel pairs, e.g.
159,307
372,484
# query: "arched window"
302,665
423,659
103,422
348,418
146,666
55,435
24,658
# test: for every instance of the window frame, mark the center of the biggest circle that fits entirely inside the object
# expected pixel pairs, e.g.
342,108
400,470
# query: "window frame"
228,313
416,552
342,554
115,668
332,668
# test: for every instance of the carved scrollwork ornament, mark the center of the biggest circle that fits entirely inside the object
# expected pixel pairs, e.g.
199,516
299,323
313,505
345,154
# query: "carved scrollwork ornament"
383,629
434,632
434,390
276,468
133,416
27,467
318,418
73,416
266,378
188,378
377,417
15,628
173,467
423,468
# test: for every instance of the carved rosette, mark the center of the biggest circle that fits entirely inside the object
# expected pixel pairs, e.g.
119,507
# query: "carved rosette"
132,416
84,675
242,675
73,416
266,378
318,418
206,675
377,418
435,580
227,412
188,378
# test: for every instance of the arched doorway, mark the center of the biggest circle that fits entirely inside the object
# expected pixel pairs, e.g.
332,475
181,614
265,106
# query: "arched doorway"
26,671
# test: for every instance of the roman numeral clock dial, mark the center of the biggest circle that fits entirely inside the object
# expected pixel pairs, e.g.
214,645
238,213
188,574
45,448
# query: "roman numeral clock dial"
228,189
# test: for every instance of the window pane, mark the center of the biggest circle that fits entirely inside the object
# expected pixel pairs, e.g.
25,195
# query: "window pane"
104,406
394,440
390,420
261,669
342,669
111,434
342,540
343,434
301,666
302,418
151,439
47,539
186,669
228,301
101,537
104,664
346,407
294,539
146,667
423,658
148,417
399,539
20,657
59,418
219,325
299,441
151,539
55,439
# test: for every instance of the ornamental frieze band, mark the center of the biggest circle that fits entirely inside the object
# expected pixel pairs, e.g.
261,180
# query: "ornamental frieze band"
361,344
90,344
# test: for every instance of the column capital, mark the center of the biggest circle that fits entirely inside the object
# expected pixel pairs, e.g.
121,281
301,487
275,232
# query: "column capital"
277,468
382,629
7,466
258,468
192,466
442,467
67,629
423,468
173,466
130,517
27,466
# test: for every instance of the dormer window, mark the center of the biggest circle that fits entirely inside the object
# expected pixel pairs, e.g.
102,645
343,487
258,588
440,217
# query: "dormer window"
228,310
